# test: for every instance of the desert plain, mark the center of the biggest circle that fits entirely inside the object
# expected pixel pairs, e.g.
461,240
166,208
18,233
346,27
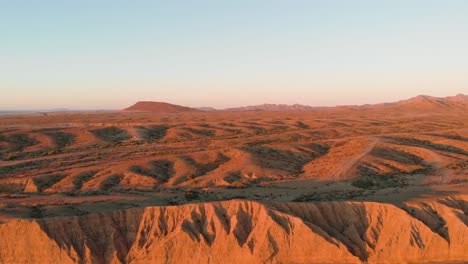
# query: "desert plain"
166,184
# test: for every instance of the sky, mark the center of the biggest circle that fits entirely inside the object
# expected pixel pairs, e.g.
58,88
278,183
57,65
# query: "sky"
108,54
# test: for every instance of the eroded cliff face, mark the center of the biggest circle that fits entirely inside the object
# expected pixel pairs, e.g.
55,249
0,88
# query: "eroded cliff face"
247,232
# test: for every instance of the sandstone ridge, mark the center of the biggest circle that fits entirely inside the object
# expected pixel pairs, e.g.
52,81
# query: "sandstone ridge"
239,231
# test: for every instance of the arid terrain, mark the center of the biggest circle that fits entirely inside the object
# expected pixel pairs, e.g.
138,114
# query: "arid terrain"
377,184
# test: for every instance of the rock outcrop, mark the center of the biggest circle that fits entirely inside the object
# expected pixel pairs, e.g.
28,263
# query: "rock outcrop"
247,232
159,107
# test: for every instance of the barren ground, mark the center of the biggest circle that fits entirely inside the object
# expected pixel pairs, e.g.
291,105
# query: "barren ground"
75,164
68,163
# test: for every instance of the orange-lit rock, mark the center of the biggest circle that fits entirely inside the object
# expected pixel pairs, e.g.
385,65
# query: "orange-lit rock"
246,232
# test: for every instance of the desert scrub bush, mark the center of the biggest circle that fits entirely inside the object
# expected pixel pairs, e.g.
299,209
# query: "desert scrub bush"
88,193
237,197
10,156
302,125
61,139
44,182
314,150
237,185
258,130
37,211
416,169
279,128
427,144
51,152
371,179
278,159
161,170
82,178
19,142
47,129
450,136
201,132
75,210
371,182
191,195
152,133
233,130
173,201
396,155
111,134
111,182
233,177
204,168
20,167
457,166
330,196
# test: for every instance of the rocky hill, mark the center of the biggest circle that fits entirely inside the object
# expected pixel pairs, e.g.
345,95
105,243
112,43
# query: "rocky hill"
160,107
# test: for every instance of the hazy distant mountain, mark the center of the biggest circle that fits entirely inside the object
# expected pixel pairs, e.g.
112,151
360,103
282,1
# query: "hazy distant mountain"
206,108
420,102
271,107
19,112
457,98
160,107
15,112
427,102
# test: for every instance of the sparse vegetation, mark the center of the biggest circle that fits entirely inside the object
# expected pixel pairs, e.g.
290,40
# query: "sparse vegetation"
237,185
450,136
330,196
233,177
191,195
20,167
44,182
111,182
61,139
152,133
111,134
19,142
82,178
301,124
458,165
75,210
427,144
396,155
201,132
10,156
161,170
204,168
370,179
87,193
278,159
37,211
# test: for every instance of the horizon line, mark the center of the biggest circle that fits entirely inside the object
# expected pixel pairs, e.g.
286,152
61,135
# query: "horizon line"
66,109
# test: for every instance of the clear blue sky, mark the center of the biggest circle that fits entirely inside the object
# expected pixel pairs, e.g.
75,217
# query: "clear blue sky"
105,54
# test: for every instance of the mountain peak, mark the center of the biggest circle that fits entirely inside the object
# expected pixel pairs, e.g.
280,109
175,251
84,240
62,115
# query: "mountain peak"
272,107
458,98
160,107
431,102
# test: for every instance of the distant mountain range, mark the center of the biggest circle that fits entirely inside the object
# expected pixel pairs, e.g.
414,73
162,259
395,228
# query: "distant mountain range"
421,102
23,112
427,102
272,107
205,108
